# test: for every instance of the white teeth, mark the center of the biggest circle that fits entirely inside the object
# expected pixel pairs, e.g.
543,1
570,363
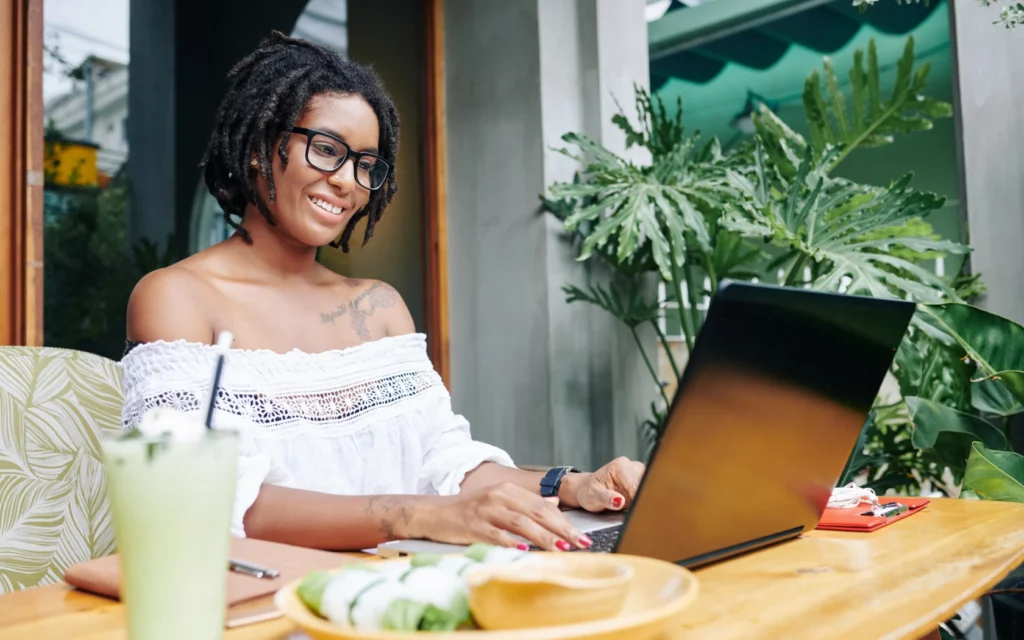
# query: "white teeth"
326,206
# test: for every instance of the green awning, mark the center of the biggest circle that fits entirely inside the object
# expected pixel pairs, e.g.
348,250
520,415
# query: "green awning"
686,43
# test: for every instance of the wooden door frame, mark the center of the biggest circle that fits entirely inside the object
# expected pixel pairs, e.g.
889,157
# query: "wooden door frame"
436,193
21,173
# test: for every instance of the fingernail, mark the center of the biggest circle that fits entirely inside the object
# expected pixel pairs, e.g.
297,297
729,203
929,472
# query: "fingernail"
585,542
523,547
562,545
617,502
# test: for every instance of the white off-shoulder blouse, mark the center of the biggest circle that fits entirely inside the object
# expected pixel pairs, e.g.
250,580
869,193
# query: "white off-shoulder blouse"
367,420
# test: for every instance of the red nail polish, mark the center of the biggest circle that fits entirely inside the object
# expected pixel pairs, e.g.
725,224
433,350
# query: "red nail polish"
562,545
617,501
523,547
586,542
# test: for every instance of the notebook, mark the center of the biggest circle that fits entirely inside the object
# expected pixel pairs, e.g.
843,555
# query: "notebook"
102,576
855,519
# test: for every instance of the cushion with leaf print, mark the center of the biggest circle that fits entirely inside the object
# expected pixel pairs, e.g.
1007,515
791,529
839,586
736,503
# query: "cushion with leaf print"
55,407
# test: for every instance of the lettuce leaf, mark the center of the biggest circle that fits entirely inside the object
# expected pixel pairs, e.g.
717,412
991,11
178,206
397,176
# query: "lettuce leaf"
477,551
403,615
311,590
424,560
437,619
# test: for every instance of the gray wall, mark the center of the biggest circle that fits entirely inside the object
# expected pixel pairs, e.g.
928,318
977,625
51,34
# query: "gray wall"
989,61
546,381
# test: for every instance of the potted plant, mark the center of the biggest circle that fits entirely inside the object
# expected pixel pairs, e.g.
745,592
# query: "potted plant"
698,213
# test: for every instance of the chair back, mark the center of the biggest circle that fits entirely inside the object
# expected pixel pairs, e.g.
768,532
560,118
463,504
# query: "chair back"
56,406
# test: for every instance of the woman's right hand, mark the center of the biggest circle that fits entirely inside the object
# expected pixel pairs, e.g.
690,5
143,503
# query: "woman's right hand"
492,514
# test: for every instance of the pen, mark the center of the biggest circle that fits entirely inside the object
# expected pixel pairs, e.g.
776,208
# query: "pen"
251,569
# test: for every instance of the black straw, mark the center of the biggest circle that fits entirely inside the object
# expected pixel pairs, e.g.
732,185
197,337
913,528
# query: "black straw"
224,342
214,390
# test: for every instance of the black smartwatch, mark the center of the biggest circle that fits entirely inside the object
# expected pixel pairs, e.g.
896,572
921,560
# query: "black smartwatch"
552,481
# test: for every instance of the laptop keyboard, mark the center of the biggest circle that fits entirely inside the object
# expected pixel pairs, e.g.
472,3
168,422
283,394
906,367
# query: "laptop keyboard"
604,540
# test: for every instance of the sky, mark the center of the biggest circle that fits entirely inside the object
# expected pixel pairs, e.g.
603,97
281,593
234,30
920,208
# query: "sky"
79,28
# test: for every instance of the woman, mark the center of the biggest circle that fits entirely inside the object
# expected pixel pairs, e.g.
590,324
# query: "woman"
349,439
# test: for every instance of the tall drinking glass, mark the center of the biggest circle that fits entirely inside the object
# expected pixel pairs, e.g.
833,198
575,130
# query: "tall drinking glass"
171,500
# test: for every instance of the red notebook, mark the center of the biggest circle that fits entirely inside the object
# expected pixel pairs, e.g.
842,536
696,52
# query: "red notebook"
856,520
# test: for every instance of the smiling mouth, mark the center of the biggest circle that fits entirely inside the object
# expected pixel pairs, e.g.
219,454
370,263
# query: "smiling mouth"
326,206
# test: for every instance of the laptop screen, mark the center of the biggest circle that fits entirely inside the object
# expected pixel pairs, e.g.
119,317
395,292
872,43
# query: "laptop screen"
770,406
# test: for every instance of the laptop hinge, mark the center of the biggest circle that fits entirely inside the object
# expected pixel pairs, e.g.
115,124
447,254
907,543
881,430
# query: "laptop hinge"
743,547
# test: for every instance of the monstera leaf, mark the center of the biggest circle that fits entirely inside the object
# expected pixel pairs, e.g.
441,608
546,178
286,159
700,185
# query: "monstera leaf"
656,207
659,204
838,224
933,369
950,433
868,119
562,208
993,343
992,397
630,308
734,258
995,475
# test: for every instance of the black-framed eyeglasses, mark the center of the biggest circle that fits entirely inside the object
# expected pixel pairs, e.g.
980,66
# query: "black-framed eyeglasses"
326,152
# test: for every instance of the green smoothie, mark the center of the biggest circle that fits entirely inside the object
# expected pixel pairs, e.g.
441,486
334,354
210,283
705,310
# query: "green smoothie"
171,501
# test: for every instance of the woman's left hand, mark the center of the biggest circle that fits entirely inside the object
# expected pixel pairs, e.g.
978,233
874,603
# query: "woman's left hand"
610,488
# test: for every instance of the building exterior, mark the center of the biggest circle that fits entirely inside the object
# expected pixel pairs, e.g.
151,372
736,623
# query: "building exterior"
96,112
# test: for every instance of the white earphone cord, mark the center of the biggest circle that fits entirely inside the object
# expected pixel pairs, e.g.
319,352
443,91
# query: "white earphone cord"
850,496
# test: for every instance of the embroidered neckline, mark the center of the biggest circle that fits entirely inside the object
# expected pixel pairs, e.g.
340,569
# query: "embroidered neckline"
338,389
203,347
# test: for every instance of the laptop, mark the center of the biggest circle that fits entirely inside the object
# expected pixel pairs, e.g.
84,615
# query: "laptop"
768,411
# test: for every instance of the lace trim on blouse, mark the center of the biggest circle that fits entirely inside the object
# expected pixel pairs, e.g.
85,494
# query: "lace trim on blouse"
273,391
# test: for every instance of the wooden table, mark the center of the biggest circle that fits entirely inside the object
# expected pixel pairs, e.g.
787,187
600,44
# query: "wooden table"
898,582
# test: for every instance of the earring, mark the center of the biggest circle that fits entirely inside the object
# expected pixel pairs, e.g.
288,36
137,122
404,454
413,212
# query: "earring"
254,163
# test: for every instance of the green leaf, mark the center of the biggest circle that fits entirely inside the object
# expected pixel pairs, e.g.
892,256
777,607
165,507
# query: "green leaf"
950,433
933,369
437,619
849,230
620,209
311,590
477,551
424,560
995,475
995,344
630,309
403,615
859,459
992,397
734,258
868,119
969,286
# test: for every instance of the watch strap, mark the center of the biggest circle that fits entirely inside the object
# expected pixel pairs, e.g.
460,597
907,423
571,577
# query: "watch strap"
552,480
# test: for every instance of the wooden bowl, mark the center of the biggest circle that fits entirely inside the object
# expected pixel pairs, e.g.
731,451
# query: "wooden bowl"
654,602
548,593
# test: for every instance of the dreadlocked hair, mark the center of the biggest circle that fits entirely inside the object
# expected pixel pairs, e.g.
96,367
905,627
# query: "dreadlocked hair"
268,91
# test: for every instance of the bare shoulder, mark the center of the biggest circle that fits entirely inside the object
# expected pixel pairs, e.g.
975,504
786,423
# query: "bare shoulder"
170,304
372,298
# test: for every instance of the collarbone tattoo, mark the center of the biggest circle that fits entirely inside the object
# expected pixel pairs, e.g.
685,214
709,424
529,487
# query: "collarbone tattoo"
361,307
